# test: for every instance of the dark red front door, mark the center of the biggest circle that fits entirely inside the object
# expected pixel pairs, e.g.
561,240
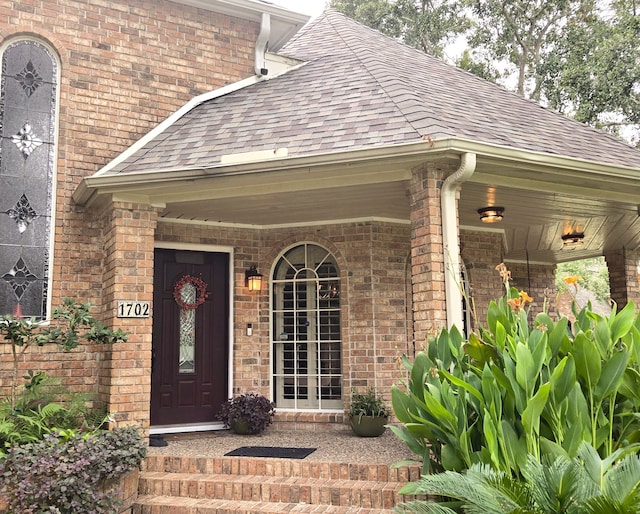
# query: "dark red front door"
190,346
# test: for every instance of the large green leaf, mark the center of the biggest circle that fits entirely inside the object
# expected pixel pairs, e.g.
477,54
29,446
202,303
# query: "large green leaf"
518,394
630,385
576,433
612,373
462,384
535,406
451,459
401,404
587,360
491,393
552,450
415,444
563,378
501,335
558,338
543,318
632,340
514,448
603,338
525,367
494,315
439,412
421,367
491,439
454,343
622,322
577,407
480,351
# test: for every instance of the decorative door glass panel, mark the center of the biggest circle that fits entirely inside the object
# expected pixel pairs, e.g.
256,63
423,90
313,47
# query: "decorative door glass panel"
186,361
306,337
27,128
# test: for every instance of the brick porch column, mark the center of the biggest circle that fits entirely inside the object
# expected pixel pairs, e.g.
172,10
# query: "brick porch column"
427,254
125,381
623,276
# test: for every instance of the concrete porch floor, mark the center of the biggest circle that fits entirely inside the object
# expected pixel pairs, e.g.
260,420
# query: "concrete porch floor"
331,446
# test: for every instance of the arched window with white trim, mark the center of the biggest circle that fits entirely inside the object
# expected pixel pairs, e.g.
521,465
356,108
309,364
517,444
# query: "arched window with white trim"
28,106
305,333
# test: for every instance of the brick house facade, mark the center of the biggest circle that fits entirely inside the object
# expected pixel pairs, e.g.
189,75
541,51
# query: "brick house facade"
138,180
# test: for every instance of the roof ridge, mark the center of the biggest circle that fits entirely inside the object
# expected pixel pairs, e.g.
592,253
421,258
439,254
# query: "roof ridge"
332,16
332,13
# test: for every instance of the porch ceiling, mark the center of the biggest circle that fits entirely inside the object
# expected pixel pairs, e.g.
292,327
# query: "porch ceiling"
538,210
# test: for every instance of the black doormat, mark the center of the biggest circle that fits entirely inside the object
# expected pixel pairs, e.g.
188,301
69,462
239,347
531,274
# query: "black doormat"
271,451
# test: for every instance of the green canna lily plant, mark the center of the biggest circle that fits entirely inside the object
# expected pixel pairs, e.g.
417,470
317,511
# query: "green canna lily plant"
518,389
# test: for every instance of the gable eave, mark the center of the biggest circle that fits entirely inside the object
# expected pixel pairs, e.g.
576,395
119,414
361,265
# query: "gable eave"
284,22
496,164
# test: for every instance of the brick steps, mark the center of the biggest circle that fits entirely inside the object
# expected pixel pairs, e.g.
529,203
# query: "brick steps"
244,485
173,505
354,493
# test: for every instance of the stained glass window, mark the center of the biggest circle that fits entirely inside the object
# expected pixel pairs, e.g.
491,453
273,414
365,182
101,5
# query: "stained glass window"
27,124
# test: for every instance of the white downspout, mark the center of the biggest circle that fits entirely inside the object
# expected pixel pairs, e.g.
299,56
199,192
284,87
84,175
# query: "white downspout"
260,65
450,239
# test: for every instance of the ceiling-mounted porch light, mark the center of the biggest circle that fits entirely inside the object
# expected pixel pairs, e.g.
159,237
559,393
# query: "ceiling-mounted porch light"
253,279
491,214
573,239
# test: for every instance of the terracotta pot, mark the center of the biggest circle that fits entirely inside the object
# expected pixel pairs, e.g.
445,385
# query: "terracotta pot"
368,426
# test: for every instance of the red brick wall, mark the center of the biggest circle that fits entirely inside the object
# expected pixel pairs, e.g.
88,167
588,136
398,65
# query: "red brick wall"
427,254
125,66
125,372
481,253
624,280
372,258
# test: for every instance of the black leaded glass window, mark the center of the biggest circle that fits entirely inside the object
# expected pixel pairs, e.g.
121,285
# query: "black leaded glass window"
306,336
27,125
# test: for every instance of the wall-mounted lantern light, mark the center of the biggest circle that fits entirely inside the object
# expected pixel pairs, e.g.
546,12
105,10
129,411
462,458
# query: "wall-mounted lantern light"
253,279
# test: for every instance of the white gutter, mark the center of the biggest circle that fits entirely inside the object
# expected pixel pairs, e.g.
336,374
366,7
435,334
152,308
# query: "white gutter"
260,65
450,239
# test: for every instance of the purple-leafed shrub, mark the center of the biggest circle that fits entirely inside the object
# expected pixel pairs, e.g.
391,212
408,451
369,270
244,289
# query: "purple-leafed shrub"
253,409
69,475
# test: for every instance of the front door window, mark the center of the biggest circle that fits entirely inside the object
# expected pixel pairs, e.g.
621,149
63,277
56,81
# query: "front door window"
306,337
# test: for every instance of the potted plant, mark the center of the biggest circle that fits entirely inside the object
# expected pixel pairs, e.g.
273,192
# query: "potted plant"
368,413
249,413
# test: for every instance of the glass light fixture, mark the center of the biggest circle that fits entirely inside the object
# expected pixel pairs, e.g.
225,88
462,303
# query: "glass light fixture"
491,214
253,279
573,239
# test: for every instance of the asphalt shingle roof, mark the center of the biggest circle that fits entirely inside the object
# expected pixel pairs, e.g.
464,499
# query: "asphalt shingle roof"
361,89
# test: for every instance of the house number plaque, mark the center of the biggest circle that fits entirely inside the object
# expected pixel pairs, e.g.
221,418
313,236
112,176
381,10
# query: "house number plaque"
133,310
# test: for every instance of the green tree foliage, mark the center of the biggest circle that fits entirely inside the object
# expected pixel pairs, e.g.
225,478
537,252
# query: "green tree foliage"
593,72
425,24
591,274
580,57
519,33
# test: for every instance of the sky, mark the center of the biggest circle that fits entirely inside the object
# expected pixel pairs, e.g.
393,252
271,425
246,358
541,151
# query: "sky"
311,7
